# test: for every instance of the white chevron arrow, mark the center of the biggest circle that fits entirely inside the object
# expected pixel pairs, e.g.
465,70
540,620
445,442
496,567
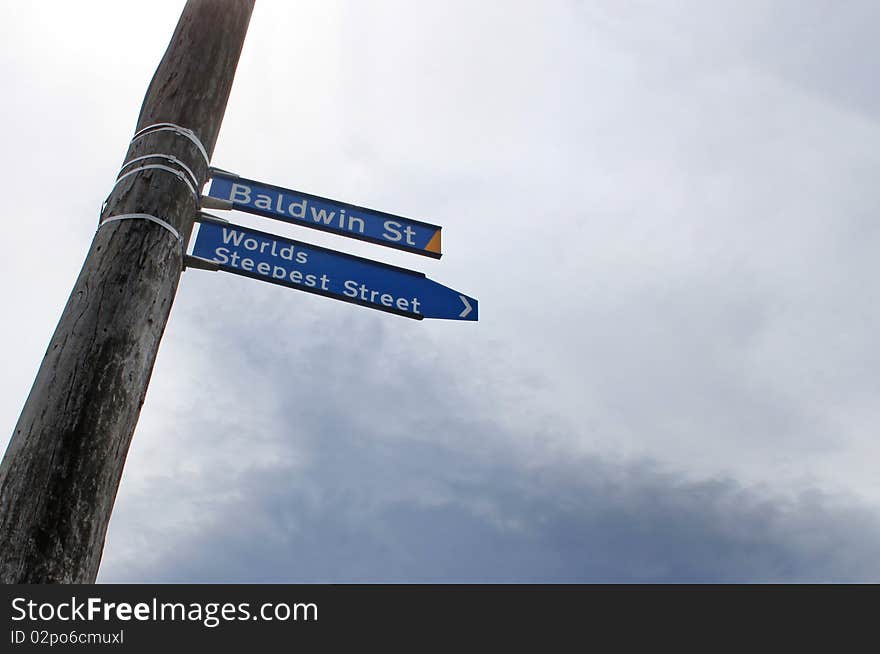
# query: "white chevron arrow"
467,307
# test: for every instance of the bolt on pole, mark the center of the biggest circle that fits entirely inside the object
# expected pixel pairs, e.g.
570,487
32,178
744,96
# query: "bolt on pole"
61,470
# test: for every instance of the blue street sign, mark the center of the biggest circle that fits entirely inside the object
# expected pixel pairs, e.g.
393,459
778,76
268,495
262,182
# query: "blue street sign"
328,215
314,269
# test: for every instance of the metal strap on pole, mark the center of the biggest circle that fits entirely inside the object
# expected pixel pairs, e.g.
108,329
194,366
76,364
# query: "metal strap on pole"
168,169
189,178
167,157
144,216
177,129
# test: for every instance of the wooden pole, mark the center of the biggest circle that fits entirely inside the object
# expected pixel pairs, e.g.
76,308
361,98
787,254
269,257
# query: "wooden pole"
61,471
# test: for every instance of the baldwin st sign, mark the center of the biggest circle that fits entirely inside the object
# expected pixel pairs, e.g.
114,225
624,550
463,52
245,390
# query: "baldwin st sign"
314,269
328,215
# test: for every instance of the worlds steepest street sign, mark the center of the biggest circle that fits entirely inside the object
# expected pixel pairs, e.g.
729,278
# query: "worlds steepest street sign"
248,252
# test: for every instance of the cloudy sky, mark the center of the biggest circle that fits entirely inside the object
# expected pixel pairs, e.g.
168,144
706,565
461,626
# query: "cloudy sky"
668,211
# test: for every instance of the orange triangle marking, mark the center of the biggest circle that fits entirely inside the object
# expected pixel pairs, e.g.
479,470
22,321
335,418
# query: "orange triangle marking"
434,244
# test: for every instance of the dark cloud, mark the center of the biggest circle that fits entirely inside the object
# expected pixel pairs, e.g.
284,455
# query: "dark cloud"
364,512
407,479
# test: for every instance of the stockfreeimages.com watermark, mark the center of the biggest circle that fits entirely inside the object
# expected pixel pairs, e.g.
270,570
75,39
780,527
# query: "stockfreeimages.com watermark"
208,614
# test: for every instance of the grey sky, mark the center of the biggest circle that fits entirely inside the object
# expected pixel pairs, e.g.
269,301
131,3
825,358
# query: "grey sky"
667,212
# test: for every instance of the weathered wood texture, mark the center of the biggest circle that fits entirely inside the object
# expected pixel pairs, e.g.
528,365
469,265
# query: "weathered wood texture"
61,471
